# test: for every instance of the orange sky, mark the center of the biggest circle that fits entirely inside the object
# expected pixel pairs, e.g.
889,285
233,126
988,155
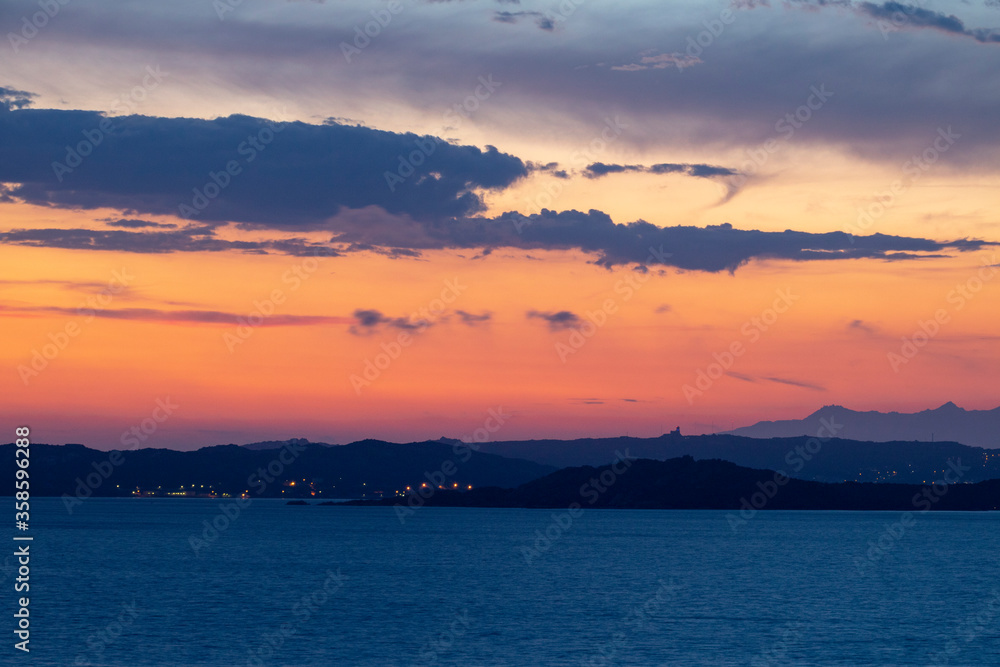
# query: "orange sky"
627,376
518,334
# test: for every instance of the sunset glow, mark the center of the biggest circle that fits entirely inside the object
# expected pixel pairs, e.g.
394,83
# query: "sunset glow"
276,310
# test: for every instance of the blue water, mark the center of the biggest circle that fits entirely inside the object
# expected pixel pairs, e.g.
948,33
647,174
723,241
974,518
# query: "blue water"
118,583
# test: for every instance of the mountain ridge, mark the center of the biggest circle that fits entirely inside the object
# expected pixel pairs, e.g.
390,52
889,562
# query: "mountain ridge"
299,469
947,422
686,483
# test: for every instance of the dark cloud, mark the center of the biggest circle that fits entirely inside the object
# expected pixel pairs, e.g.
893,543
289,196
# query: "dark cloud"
895,15
367,321
664,308
714,248
778,380
599,169
11,99
732,102
541,20
557,321
551,168
333,177
188,239
699,170
660,61
473,319
862,326
74,285
795,383
291,175
174,316
368,318
891,16
132,223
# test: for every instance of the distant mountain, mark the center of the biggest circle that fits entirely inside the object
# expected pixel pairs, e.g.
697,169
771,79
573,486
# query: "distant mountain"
821,460
947,423
684,483
278,444
296,469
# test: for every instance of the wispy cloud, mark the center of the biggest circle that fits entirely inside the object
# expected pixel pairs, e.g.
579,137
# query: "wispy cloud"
599,169
795,383
676,59
367,321
188,239
541,20
301,177
863,327
132,223
473,319
558,320
173,316
778,380
713,248
892,16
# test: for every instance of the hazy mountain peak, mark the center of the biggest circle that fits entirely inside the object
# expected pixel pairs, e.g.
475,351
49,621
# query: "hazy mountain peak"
278,444
947,422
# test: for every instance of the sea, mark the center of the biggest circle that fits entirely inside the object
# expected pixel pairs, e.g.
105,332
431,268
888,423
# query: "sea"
148,581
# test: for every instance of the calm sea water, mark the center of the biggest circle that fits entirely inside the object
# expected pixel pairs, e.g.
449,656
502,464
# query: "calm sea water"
118,583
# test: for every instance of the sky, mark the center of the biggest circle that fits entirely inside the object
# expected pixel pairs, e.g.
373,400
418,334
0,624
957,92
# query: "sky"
234,221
